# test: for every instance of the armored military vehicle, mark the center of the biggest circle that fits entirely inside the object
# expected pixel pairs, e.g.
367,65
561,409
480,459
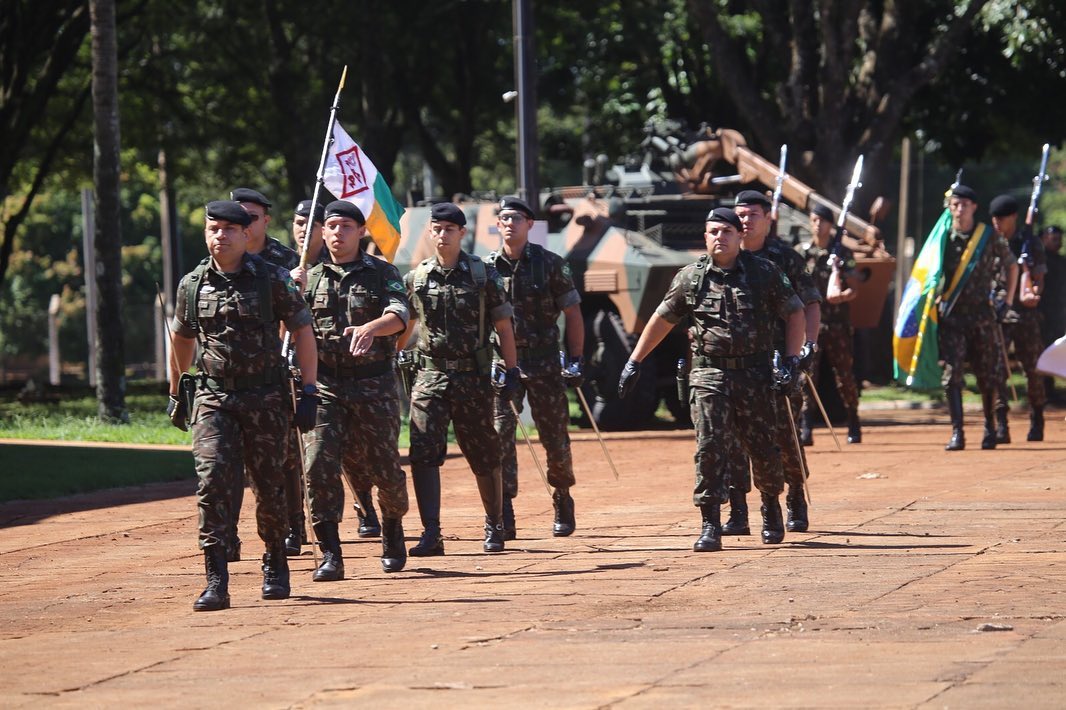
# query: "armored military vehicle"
628,231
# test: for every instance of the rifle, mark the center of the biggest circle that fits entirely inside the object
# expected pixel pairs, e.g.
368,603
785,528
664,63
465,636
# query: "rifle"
836,279
951,189
1025,259
778,182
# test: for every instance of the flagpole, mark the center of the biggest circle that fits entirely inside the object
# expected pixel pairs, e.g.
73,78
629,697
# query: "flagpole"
322,167
929,299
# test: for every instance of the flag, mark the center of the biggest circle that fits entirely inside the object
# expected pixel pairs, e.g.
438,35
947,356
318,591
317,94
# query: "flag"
350,175
1053,360
914,338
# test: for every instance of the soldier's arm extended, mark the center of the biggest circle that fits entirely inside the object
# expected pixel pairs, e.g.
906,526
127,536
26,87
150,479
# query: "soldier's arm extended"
653,334
812,319
184,349
507,347
575,330
796,332
306,354
363,335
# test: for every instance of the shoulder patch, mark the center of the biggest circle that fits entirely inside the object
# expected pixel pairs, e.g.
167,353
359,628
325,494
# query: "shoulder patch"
566,269
395,286
291,285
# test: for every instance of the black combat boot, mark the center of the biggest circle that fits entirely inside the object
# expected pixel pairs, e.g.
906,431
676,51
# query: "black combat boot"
294,540
1036,425
1002,426
988,441
957,442
426,480
331,569
564,513
796,502
510,529
854,428
737,524
216,596
773,526
805,436
493,534
710,539
368,517
393,553
275,573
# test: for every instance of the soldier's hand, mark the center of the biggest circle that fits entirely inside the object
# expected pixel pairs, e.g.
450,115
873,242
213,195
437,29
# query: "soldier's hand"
306,409
362,339
1007,315
179,415
806,357
573,372
628,379
786,376
297,274
506,382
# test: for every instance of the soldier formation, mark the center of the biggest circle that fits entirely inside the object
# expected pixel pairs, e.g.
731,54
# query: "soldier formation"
294,421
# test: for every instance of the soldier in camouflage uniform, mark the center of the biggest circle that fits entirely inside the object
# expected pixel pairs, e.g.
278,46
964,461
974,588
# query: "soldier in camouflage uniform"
835,334
232,305
273,252
968,329
457,299
540,288
1024,331
359,305
735,300
753,209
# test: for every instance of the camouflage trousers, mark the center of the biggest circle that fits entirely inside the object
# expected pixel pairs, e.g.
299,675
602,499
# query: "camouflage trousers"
835,344
234,435
735,419
356,429
1028,345
977,342
551,412
793,460
464,399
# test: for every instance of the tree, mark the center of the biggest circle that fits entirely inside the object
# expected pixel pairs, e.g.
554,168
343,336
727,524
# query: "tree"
110,361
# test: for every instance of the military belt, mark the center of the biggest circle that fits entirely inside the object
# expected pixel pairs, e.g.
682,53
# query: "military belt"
275,376
735,362
356,372
542,353
441,364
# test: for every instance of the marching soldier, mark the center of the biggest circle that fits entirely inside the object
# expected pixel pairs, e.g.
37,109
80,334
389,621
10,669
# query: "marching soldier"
457,298
753,209
232,304
301,217
1024,330
835,334
735,300
968,327
359,306
540,288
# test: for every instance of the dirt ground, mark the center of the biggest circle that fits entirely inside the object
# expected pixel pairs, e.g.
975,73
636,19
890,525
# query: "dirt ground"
928,579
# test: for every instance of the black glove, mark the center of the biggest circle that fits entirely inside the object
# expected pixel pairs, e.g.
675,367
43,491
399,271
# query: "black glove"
628,379
306,412
786,374
573,370
806,357
178,413
505,382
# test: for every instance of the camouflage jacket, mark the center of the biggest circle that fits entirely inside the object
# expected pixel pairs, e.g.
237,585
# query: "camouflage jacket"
540,286
280,255
235,338
817,263
342,295
735,312
974,303
448,303
795,269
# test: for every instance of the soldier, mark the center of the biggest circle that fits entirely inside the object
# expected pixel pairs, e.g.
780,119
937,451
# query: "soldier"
231,304
540,287
359,305
1053,300
1024,330
753,209
968,327
835,334
300,218
456,298
735,300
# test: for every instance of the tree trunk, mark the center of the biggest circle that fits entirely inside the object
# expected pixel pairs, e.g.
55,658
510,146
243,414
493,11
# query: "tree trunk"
110,361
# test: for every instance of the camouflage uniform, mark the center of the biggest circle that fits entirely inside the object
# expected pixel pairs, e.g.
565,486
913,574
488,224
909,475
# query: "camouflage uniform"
794,268
1025,334
358,419
835,332
242,411
732,337
453,358
540,287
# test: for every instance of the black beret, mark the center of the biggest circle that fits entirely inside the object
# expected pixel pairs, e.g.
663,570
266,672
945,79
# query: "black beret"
447,212
966,193
343,208
246,194
1053,229
1002,206
228,211
724,214
752,197
512,202
822,211
304,210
